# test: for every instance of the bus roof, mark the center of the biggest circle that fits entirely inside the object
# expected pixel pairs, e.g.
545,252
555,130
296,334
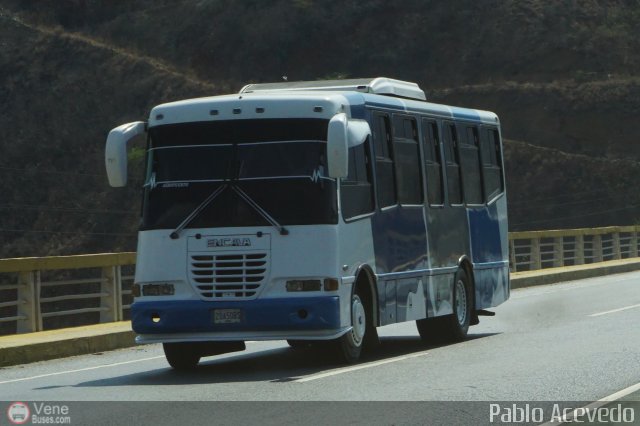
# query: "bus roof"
319,99
378,85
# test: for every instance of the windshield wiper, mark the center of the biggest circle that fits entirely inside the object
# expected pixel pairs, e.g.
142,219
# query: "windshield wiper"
260,210
176,233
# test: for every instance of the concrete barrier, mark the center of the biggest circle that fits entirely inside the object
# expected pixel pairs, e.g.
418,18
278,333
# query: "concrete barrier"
44,345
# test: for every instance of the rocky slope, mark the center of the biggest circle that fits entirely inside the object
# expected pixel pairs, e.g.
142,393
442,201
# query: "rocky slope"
561,75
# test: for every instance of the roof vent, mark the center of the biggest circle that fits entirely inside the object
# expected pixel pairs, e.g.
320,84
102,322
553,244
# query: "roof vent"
379,85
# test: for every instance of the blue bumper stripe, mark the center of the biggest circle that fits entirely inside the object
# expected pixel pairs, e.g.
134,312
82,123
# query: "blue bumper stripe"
183,316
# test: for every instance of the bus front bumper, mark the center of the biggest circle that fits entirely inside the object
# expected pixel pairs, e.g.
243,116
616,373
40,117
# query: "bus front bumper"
309,318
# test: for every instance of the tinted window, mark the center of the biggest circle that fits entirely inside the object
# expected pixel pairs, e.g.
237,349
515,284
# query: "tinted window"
433,160
469,148
385,171
357,190
491,163
408,173
279,164
452,159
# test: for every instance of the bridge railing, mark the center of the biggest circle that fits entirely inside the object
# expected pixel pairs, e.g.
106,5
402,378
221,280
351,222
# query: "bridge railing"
549,249
54,292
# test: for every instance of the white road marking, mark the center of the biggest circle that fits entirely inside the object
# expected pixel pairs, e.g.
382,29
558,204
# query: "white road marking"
596,404
358,367
80,369
621,394
615,310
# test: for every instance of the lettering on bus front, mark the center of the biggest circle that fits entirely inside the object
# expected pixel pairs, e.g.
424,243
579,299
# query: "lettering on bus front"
229,242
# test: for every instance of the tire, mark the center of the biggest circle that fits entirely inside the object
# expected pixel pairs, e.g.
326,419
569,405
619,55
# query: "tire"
454,327
349,346
430,329
181,356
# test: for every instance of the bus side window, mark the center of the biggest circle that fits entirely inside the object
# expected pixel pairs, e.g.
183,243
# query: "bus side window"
407,150
491,163
356,190
433,159
385,170
469,149
452,159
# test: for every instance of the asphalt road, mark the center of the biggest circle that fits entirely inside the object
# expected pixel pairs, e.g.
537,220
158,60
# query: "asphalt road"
574,342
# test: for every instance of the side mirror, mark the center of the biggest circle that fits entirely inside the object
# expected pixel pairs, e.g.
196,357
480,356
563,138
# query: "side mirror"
337,147
343,134
116,151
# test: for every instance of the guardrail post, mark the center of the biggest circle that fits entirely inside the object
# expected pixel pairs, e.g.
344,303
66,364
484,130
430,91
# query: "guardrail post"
597,248
512,255
120,313
633,244
536,260
579,250
616,245
29,302
558,251
111,287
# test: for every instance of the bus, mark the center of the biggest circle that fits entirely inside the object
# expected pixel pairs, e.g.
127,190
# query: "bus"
314,212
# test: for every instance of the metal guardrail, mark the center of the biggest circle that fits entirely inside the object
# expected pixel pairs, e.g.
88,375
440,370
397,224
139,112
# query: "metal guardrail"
100,288
533,250
26,283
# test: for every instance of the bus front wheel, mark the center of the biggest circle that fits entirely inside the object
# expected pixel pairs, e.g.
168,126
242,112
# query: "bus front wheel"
181,356
349,346
454,327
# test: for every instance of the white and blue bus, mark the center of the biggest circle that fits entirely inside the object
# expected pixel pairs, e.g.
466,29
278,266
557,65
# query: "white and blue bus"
314,211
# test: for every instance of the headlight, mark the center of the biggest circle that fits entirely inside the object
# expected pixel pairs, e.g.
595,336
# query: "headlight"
304,285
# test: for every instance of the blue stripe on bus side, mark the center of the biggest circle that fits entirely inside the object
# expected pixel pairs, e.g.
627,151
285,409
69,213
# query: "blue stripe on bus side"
465,114
356,105
392,104
491,268
456,112
399,239
484,232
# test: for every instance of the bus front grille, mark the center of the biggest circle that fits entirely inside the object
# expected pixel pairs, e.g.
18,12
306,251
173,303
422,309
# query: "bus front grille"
228,276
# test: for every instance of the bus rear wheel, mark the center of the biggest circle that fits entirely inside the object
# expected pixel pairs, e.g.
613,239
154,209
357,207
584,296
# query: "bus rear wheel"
454,327
181,356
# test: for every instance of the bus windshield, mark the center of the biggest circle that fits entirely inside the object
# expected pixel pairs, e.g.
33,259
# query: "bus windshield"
280,164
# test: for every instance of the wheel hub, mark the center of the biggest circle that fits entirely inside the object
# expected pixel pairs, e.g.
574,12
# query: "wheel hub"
358,320
461,302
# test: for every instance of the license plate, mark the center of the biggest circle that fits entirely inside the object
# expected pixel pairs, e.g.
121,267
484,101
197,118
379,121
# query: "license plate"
227,316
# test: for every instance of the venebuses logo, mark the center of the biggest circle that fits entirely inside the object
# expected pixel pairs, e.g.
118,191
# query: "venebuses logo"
18,413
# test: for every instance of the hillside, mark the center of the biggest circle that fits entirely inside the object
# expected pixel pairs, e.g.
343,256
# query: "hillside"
564,190
561,75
